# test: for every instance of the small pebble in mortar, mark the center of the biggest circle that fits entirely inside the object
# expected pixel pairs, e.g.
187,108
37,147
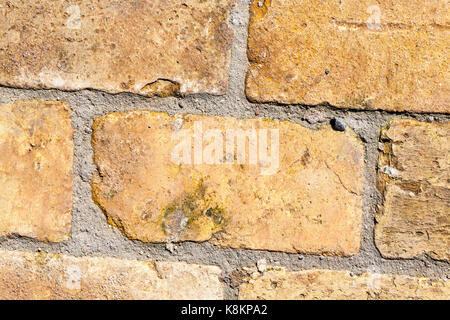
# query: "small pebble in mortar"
338,124
261,265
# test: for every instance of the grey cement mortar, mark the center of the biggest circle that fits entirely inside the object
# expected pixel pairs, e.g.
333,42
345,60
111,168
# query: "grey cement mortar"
92,236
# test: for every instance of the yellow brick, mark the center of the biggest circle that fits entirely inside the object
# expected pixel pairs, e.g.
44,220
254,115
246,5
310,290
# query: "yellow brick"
413,178
278,283
314,51
311,203
157,47
36,176
46,276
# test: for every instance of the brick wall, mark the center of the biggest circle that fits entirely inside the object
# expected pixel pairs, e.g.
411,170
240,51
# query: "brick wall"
222,149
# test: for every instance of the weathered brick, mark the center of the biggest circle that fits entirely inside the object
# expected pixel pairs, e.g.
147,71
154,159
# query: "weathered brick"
278,283
46,276
158,47
314,51
413,178
36,158
311,202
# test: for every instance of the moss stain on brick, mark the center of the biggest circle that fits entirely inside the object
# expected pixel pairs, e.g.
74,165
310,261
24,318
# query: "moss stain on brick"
193,215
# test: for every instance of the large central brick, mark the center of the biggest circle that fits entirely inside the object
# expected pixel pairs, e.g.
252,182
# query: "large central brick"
361,54
310,201
150,47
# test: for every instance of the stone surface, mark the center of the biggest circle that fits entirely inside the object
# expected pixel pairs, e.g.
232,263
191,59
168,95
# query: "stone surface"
413,178
309,202
36,158
157,47
279,284
336,52
47,276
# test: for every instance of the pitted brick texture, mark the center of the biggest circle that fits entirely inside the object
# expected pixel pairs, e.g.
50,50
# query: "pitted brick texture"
413,177
36,158
311,202
278,283
336,52
157,47
46,276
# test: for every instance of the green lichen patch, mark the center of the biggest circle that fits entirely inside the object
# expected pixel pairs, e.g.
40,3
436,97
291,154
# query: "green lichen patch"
193,216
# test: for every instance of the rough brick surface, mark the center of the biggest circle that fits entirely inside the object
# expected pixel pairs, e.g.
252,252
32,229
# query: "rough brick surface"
413,177
313,51
36,158
311,203
46,276
225,195
327,284
157,47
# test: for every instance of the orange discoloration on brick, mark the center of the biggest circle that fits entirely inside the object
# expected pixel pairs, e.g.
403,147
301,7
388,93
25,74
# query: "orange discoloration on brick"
124,46
311,204
314,52
277,283
36,177
413,178
45,276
